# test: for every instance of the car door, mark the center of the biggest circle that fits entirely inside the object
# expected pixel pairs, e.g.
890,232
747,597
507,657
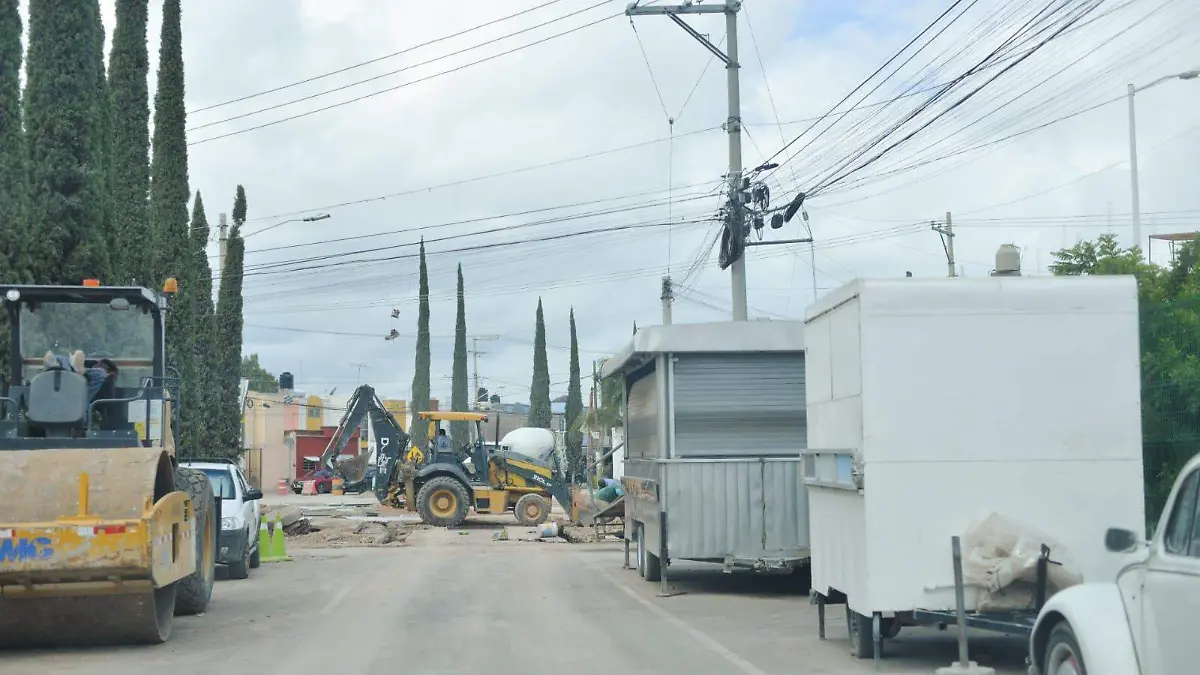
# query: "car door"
249,507
1171,594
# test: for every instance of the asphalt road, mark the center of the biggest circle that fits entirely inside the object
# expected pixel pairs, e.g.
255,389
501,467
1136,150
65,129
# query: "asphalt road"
459,602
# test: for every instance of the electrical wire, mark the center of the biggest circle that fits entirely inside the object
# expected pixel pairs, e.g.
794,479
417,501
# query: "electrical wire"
405,84
397,71
499,174
368,62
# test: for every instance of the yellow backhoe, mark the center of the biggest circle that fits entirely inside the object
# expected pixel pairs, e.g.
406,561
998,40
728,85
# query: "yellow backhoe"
103,538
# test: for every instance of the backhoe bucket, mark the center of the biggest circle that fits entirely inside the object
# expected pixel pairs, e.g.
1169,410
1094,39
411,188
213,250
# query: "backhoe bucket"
91,543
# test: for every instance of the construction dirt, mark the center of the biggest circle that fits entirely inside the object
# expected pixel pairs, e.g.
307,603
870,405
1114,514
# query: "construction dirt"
337,528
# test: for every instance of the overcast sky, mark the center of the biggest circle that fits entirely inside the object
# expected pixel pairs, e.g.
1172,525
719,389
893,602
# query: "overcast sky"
474,145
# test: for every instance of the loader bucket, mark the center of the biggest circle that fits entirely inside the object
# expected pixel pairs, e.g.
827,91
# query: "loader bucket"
91,543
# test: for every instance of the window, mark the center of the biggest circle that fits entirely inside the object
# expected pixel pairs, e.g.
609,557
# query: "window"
1182,524
222,483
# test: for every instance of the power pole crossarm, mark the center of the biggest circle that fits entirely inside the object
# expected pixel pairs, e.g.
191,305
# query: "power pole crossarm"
947,231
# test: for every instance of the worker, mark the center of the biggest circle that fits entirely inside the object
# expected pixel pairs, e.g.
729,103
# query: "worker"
443,441
97,375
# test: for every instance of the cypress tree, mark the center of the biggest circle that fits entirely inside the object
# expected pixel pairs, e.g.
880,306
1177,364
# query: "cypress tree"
129,66
227,359
200,383
102,178
420,382
539,390
12,155
459,399
64,111
169,193
574,444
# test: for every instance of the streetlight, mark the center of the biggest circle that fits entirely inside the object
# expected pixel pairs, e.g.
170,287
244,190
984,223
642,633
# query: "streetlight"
306,219
1133,166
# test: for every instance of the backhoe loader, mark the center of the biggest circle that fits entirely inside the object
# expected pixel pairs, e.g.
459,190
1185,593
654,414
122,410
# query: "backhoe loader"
443,485
103,538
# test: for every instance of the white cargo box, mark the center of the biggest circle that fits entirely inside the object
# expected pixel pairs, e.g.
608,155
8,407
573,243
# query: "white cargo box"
934,404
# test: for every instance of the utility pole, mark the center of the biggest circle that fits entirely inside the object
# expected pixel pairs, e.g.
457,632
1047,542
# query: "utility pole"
223,243
667,295
946,230
475,365
733,125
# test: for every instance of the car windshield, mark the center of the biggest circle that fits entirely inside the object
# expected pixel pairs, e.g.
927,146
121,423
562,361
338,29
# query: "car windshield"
222,483
96,329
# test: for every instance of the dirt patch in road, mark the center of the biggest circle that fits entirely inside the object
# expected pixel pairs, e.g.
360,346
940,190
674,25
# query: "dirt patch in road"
344,532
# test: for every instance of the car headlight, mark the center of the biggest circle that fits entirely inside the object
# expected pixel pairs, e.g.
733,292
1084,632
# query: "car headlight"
229,524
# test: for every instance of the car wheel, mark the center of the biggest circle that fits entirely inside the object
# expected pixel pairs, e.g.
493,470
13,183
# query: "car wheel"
256,556
323,488
1063,656
240,569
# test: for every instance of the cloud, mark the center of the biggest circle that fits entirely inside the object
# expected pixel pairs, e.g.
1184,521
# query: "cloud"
591,91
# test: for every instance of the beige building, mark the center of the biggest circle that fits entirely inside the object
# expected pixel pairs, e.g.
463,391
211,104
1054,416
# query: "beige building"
267,459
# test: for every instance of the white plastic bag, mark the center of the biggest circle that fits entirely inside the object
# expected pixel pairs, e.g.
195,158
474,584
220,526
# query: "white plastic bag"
1000,558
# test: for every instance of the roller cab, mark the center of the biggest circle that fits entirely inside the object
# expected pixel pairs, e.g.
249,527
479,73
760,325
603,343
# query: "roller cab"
102,537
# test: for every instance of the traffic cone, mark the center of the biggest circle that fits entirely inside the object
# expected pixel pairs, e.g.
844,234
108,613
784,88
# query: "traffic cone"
279,549
264,541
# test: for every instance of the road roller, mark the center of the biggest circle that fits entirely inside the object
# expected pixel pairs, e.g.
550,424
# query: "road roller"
103,537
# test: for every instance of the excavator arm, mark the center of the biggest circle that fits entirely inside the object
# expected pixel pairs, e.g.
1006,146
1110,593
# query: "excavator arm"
390,440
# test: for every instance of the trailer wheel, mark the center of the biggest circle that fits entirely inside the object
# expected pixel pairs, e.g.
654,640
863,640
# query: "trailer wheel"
1062,652
195,590
861,642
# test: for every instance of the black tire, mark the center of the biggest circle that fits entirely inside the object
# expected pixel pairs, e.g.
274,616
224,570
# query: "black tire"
240,569
194,591
1062,646
861,640
443,502
323,488
532,510
256,556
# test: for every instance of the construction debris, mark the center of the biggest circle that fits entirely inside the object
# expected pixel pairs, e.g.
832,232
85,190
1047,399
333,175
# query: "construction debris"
341,532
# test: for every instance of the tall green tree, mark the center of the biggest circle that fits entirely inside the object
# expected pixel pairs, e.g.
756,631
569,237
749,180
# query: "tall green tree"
200,380
169,192
261,379
420,382
65,113
459,397
539,389
574,444
12,155
228,358
129,67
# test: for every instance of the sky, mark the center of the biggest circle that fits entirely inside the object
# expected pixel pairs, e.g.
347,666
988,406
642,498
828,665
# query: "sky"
546,165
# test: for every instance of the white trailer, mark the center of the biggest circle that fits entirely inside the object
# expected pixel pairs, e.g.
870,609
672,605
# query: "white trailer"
992,410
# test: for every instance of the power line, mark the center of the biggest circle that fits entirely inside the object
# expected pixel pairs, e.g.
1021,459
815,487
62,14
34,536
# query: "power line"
394,72
377,59
405,84
513,214
500,174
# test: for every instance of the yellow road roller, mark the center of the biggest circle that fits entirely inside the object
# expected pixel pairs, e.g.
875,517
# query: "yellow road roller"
103,538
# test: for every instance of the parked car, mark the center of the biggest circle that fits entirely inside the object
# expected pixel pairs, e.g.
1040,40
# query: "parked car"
361,486
241,511
322,477
1143,623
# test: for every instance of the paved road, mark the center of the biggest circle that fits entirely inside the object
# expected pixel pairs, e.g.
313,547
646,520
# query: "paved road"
462,603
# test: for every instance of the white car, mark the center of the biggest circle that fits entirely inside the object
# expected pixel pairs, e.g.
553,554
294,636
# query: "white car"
1145,622
241,512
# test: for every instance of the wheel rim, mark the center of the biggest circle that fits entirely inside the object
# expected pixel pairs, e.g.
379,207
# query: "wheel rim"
532,511
443,504
1063,661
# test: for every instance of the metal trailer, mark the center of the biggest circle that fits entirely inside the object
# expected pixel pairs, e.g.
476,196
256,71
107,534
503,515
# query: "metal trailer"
715,425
